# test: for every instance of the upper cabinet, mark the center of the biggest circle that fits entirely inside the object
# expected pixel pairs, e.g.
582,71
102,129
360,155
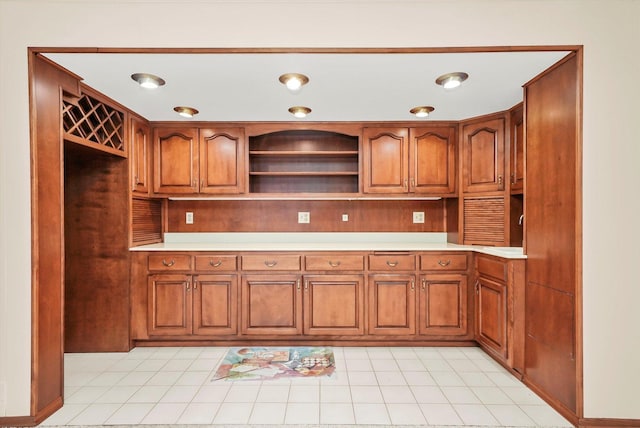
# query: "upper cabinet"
483,155
189,160
516,155
139,155
409,160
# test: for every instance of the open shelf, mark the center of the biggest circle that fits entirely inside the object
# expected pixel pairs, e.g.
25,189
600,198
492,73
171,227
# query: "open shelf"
303,161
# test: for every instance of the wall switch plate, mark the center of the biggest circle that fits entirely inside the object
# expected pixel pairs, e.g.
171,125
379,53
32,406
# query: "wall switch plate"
418,217
345,217
304,217
188,218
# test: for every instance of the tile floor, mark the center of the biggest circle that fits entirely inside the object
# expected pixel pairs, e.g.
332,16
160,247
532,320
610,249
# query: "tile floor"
371,386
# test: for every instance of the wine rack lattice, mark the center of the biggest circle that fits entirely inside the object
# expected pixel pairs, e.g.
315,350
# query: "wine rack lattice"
94,121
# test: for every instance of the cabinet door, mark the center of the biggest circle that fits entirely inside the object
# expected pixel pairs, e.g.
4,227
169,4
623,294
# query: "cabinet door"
392,307
169,304
215,302
432,160
333,304
491,312
517,150
443,305
385,152
175,165
271,304
139,156
483,156
222,160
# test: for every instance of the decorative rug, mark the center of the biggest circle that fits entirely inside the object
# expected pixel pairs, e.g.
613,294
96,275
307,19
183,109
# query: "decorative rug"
275,363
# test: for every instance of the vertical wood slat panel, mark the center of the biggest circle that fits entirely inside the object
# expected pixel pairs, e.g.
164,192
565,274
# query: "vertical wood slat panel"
484,220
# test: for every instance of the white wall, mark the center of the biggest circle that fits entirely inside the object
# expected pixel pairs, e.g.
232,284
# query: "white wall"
609,30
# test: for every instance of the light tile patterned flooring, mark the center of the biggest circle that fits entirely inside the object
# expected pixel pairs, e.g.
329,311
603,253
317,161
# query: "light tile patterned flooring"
441,386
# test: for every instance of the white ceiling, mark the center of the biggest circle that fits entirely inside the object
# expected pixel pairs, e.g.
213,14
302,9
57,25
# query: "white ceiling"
342,87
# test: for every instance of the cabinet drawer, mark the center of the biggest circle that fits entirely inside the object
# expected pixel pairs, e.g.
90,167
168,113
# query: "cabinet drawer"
392,262
170,262
271,262
492,267
334,262
216,263
443,261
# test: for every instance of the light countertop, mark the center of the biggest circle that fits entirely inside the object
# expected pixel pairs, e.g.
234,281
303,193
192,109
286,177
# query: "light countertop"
338,241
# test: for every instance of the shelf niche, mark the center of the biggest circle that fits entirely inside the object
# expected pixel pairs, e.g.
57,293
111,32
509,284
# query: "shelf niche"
303,161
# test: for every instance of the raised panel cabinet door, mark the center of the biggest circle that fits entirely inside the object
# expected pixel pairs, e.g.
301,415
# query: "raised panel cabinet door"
271,304
175,160
334,304
215,304
483,146
491,312
392,304
386,154
169,305
516,154
139,155
222,160
432,160
443,305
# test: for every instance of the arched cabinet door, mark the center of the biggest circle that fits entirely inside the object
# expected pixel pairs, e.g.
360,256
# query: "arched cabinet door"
385,152
222,160
483,160
175,165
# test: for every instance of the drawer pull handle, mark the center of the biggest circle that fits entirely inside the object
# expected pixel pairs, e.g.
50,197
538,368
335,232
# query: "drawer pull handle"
169,264
215,264
334,264
392,264
270,264
444,264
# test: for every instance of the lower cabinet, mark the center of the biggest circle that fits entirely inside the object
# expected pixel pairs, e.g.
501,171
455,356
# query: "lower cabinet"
333,305
392,304
443,305
491,312
181,304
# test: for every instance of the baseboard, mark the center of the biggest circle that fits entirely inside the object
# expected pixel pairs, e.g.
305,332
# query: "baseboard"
608,422
566,413
17,421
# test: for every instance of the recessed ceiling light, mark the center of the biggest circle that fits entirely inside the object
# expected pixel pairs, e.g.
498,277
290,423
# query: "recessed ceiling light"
148,81
299,111
293,81
421,111
187,112
452,80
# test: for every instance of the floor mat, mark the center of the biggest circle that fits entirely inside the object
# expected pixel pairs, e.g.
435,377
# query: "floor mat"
262,363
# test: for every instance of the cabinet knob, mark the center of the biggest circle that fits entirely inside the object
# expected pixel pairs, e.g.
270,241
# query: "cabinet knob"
168,264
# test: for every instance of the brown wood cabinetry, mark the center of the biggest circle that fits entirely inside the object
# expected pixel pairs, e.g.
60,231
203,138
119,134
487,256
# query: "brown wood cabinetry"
169,304
392,304
517,146
139,155
443,299
483,155
271,304
409,160
499,292
333,305
192,160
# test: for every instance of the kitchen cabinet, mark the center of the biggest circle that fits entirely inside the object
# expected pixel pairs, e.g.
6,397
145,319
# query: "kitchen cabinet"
271,304
443,297
483,155
333,304
517,148
410,160
139,153
499,292
191,161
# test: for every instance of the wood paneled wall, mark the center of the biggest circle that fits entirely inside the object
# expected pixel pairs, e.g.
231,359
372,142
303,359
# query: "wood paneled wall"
326,216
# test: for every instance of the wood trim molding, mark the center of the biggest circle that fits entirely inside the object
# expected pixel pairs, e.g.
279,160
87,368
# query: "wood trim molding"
608,422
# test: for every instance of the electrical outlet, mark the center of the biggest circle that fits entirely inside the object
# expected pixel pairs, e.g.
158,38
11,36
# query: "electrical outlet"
188,218
418,217
345,217
304,217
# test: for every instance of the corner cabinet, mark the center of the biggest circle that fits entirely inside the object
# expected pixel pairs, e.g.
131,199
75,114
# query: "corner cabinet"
410,160
192,160
483,155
